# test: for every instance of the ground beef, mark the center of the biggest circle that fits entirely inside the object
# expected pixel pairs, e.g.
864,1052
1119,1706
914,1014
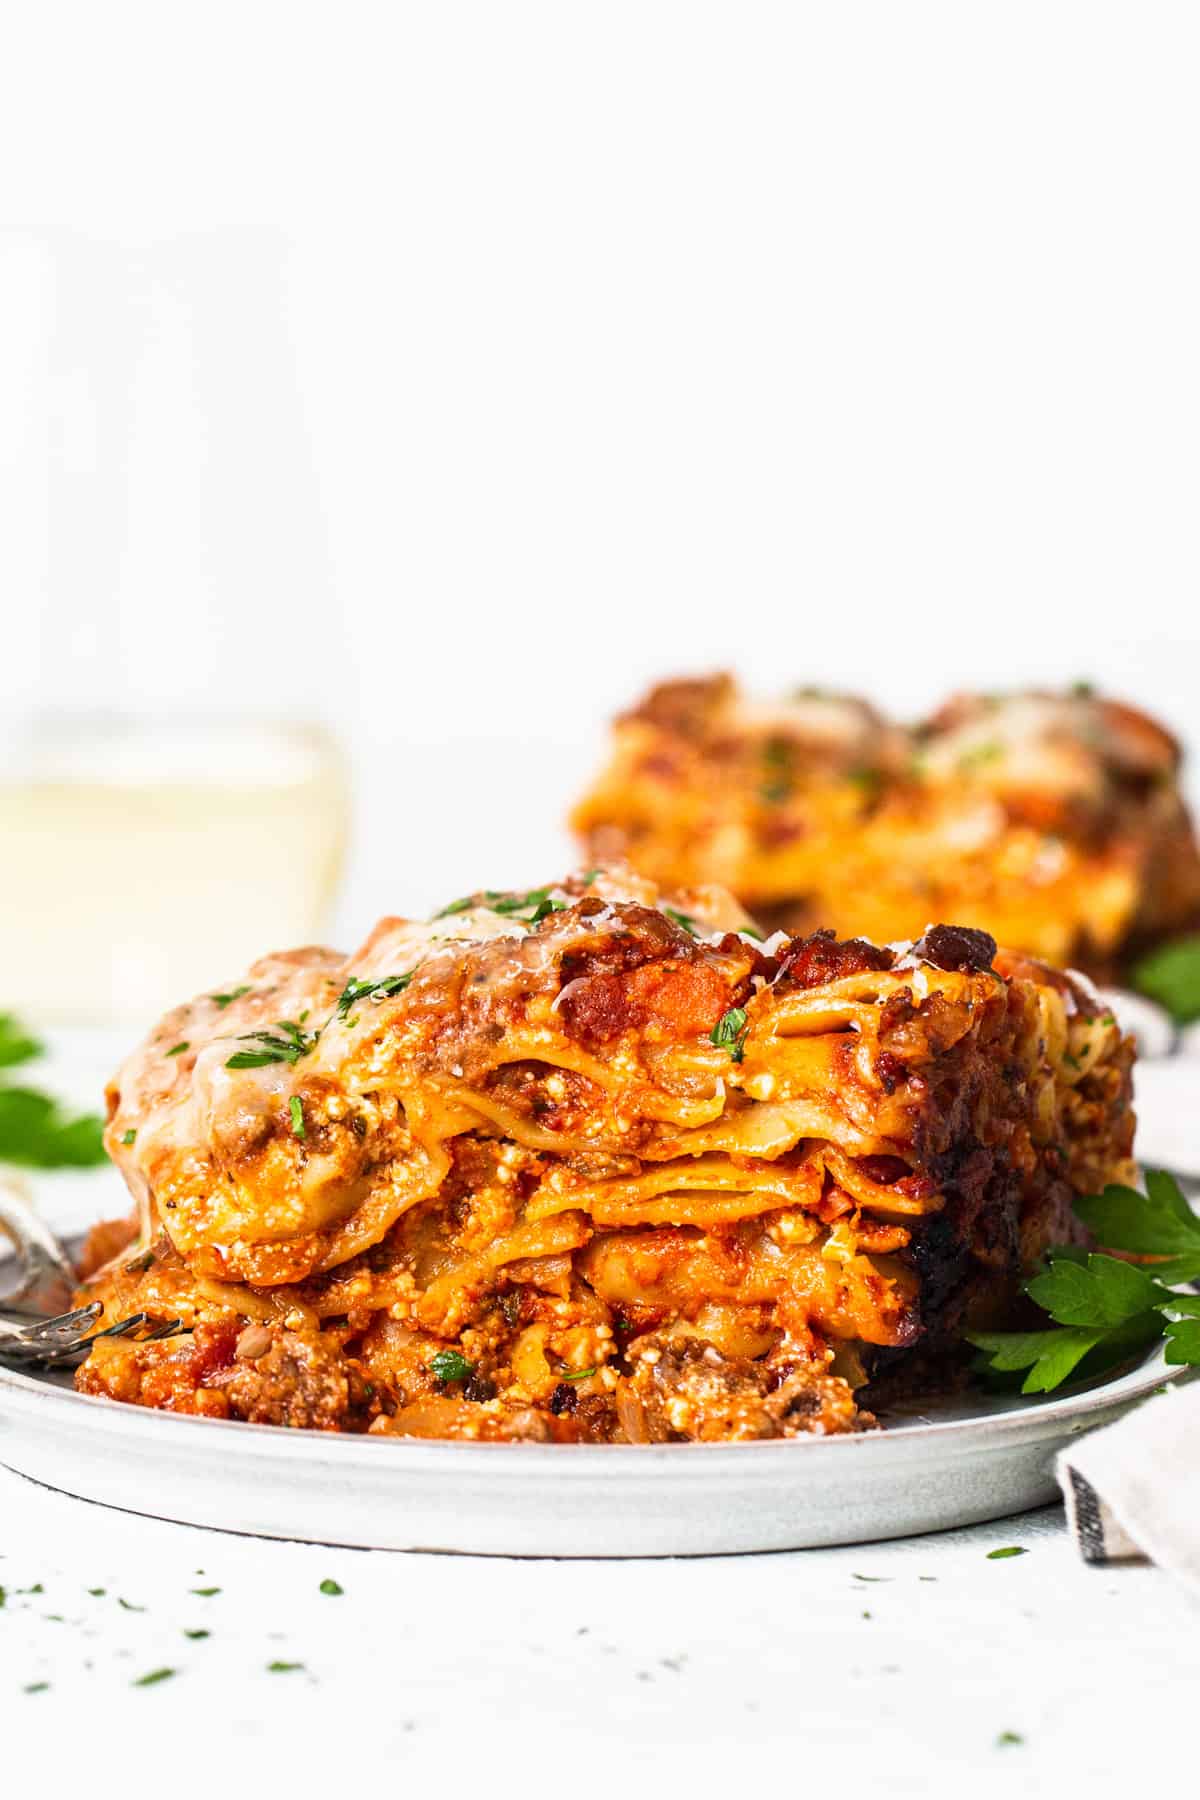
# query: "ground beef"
810,962
301,1381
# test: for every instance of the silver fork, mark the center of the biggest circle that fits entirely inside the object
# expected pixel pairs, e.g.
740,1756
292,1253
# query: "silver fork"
45,1281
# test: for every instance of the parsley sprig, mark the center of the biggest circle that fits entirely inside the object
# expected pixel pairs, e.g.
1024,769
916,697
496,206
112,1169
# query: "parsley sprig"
1171,975
1105,1310
35,1131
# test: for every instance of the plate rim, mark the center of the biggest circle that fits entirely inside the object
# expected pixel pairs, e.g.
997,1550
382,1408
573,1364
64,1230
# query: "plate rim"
1043,1418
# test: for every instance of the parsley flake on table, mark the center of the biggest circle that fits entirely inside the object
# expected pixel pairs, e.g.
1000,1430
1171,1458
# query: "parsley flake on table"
1103,1310
283,1668
153,1678
1007,1550
197,1634
205,1593
35,1687
330,1586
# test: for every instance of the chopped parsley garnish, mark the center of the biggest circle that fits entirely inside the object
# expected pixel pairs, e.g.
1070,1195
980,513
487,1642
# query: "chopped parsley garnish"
576,1374
286,1044
97,1593
128,1137
588,876
35,1687
683,919
531,908
178,1049
330,1586
355,990
1082,690
283,1668
729,1032
773,792
128,1605
980,754
154,1677
1008,1737
197,1634
224,1000
1104,1311
1171,976
1007,1550
450,1365
296,1109
206,1593
868,779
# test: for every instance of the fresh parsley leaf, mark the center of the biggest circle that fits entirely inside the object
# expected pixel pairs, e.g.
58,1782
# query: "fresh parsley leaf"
1157,1223
450,1365
1171,975
224,1000
729,1032
1007,1550
296,1109
154,1677
1050,1356
531,907
206,1593
178,1049
1183,1341
330,1586
1104,1293
36,1133
16,1045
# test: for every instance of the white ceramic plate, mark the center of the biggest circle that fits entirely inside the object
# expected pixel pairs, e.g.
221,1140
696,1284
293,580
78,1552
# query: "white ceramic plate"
957,1465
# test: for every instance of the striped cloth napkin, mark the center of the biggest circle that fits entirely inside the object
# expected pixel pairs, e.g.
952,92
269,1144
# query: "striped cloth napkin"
1132,1490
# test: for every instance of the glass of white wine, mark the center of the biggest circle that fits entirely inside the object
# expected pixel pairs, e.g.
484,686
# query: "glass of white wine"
173,798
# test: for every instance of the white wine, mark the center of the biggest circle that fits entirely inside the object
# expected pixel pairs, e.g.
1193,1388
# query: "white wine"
143,863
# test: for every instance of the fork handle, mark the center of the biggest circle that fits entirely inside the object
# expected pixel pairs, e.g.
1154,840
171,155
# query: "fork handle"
47,1278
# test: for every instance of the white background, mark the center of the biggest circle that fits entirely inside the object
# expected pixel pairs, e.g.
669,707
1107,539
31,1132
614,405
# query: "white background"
845,344
838,344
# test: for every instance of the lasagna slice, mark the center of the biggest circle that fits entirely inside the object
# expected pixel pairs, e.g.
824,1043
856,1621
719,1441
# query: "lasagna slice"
585,1165
1052,821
